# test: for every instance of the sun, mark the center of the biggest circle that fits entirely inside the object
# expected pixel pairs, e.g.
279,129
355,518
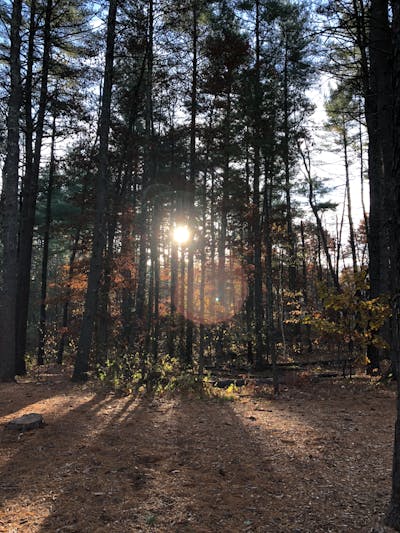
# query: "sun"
181,234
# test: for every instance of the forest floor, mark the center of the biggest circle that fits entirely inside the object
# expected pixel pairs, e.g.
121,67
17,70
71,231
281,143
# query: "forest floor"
316,460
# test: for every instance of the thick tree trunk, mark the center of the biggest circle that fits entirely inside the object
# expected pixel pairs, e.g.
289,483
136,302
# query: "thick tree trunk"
378,111
99,233
9,207
393,514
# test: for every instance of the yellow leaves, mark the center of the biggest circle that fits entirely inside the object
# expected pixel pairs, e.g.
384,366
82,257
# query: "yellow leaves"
350,315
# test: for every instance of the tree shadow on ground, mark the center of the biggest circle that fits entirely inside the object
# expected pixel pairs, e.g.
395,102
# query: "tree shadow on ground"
189,465
335,440
17,396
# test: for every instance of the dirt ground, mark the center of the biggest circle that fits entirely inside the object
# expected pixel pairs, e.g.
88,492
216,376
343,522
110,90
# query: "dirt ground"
316,460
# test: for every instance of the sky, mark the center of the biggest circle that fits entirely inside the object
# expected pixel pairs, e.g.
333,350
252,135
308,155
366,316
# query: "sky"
329,164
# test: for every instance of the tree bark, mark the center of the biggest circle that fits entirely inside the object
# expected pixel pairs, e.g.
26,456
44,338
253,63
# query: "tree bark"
348,193
192,185
271,334
45,254
9,207
258,311
378,111
393,514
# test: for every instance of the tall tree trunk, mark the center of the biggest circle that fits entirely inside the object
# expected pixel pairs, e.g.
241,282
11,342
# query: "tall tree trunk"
45,254
148,176
221,288
203,272
258,311
65,315
361,153
305,285
182,309
155,260
99,233
378,112
286,159
9,207
192,185
173,299
393,514
213,247
271,334
203,254
250,276
339,233
348,193
127,256
29,197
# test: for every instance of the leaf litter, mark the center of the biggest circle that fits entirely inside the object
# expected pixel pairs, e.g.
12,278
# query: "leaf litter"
316,460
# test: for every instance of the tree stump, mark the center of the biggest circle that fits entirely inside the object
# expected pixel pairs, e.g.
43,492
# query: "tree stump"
26,422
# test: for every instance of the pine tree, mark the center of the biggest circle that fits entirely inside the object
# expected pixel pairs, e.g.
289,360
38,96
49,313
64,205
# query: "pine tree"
9,203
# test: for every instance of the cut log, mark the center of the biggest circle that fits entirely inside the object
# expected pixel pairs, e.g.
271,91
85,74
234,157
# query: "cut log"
26,422
225,383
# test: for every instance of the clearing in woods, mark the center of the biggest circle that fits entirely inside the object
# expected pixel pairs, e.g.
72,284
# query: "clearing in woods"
316,460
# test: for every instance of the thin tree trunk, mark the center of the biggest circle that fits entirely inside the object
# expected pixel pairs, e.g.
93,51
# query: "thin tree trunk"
192,185
213,249
348,192
339,233
173,299
286,159
258,311
203,273
148,177
182,309
155,253
321,232
250,276
305,285
271,334
361,151
45,255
